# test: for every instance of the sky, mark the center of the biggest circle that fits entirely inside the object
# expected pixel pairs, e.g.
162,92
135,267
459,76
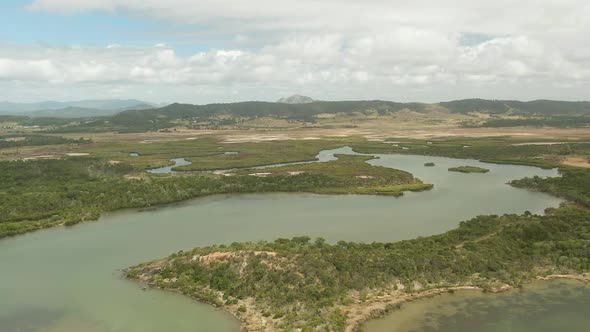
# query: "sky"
204,51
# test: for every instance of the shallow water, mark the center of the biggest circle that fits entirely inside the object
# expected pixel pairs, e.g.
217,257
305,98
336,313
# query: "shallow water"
168,169
540,307
69,279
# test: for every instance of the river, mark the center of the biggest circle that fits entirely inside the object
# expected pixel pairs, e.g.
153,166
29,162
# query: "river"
69,279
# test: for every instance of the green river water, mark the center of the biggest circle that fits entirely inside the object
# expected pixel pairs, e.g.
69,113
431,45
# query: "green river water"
69,279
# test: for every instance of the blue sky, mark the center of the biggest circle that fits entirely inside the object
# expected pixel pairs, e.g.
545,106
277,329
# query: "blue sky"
98,29
228,50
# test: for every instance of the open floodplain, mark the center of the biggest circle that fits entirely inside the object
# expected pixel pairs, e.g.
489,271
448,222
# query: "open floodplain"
70,279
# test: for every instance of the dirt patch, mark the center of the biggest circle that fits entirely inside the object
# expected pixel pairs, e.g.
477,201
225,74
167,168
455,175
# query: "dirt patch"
261,175
48,156
576,161
539,143
380,131
220,256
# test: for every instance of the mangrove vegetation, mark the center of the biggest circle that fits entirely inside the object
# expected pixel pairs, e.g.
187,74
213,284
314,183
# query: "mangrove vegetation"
36,194
468,169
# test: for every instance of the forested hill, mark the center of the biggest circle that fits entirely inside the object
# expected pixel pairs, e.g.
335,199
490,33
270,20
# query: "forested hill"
259,109
539,112
310,110
163,117
539,107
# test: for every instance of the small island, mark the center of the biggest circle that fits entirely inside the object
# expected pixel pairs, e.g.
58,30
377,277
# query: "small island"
469,169
429,164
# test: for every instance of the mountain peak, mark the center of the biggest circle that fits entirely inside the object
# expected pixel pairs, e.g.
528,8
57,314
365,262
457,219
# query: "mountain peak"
296,99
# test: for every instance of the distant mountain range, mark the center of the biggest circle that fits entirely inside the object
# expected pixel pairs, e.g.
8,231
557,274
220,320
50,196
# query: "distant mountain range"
164,117
540,107
72,109
135,115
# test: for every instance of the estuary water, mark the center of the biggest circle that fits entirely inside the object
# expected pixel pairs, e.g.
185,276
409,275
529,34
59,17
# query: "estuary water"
540,307
69,279
168,169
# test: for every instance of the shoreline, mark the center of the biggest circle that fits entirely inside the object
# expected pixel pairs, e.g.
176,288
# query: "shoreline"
380,306
386,306
394,190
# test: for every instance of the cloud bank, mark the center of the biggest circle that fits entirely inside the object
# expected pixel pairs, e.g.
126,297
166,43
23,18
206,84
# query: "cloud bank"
401,50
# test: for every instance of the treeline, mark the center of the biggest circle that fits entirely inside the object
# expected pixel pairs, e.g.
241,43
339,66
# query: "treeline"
39,121
546,107
13,118
494,150
44,193
556,122
299,283
573,184
17,140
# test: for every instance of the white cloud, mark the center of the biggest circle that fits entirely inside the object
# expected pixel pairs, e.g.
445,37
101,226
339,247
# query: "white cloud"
40,69
485,16
341,49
